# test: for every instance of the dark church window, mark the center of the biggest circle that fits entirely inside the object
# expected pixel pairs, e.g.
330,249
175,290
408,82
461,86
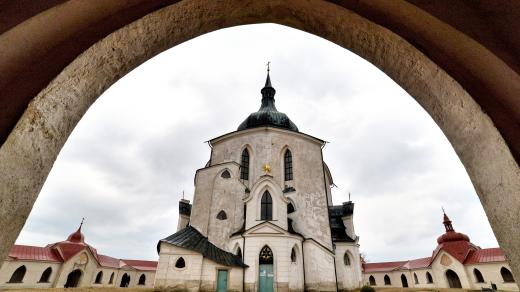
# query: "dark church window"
346,259
99,278
266,256
221,215
266,207
415,279
244,166
293,254
506,275
111,280
142,280
180,263
46,275
372,280
18,275
429,278
290,208
225,174
478,276
288,165
239,252
387,280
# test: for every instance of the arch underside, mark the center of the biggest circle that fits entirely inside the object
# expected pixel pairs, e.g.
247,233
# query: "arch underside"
30,150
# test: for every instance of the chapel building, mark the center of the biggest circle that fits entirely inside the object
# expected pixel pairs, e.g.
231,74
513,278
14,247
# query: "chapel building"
455,263
72,263
262,217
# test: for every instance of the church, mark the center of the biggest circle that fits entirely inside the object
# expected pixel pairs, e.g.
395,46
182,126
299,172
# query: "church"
455,263
262,217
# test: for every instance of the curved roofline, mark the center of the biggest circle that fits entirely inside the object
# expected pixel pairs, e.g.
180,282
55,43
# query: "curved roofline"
264,128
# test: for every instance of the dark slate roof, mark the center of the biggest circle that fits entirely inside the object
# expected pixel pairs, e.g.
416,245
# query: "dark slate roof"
268,115
184,208
337,227
190,238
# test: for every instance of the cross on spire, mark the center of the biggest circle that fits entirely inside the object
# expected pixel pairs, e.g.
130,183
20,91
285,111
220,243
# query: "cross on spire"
82,220
268,69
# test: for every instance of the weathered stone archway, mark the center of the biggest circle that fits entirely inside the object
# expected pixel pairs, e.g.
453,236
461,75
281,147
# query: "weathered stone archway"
31,148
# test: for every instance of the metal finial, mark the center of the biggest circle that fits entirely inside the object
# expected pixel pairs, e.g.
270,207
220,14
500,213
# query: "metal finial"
349,196
81,224
183,194
443,210
268,69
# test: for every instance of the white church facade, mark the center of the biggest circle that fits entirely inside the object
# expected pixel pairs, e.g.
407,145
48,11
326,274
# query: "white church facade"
262,217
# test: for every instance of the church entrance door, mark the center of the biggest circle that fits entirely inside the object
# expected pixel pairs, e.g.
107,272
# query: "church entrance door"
265,271
222,281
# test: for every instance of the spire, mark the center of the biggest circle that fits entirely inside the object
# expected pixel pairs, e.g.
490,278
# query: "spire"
447,222
268,93
77,236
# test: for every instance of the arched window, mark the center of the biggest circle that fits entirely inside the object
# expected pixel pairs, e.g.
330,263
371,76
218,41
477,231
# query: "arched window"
372,280
125,281
290,208
142,280
453,279
266,256
111,280
46,275
478,276
404,281
429,278
225,174
73,279
288,171
99,278
239,252
506,275
266,212
415,279
221,215
244,166
180,263
293,255
346,259
387,280
18,275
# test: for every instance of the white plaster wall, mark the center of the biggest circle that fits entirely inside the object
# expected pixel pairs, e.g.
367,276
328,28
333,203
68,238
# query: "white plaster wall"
491,274
210,273
32,275
439,271
319,267
267,146
167,275
253,203
349,277
88,270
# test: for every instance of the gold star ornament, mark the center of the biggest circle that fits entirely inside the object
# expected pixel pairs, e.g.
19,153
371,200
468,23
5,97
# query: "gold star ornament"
267,168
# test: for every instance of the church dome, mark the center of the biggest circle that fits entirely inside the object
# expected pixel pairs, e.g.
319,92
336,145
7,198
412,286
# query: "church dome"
268,115
450,234
77,236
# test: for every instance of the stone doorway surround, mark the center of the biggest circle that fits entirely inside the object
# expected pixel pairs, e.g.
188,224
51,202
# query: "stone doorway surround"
32,146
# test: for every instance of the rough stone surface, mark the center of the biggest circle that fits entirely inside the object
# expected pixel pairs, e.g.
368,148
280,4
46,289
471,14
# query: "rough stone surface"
32,147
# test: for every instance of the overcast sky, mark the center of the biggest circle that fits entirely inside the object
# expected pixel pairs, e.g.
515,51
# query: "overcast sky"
137,148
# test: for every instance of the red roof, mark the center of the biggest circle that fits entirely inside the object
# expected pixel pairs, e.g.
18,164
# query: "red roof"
33,253
418,263
382,267
142,265
485,255
109,262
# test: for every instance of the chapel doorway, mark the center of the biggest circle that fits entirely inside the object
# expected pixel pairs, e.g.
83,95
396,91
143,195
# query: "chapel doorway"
125,281
404,281
266,274
73,279
453,279
222,280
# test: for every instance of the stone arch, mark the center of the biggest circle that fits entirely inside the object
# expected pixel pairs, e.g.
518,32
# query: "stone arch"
237,250
125,281
478,276
28,153
429,278
453,279
111,280
387,280
507,276
415,278
73,278
404,281
295,269
180,263
347,258
226,173
142,280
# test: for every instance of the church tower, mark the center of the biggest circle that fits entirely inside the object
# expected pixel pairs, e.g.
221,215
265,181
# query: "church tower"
262,217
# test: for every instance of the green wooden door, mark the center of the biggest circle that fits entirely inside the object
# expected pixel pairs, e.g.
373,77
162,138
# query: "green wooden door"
266,278
222,281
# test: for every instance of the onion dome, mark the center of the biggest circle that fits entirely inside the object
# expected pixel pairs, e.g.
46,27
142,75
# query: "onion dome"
450,234
77,236
268,115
